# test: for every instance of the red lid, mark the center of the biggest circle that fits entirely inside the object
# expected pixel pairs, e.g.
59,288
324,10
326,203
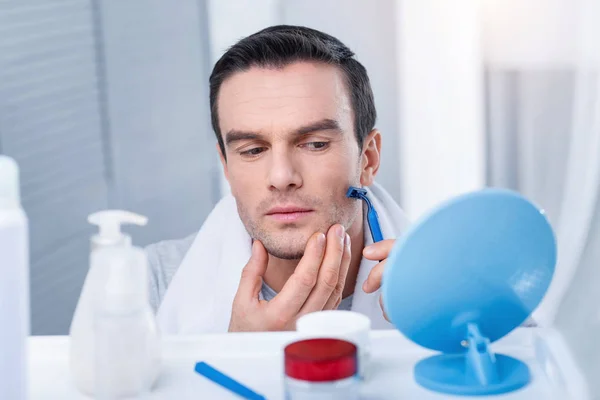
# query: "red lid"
320,360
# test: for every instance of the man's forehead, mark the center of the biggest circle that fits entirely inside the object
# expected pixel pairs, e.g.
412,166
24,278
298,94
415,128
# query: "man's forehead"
284,98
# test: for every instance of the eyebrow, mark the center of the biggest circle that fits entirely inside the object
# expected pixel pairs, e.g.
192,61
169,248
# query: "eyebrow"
322,125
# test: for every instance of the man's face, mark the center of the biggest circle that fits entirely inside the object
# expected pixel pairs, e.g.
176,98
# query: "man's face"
291,153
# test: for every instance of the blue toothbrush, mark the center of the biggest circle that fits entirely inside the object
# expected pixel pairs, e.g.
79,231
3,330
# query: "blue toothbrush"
225,381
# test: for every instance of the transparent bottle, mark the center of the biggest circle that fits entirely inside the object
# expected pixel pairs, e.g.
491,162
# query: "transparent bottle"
115,346
127,344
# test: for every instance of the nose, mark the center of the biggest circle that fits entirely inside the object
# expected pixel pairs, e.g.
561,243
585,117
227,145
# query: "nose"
284,173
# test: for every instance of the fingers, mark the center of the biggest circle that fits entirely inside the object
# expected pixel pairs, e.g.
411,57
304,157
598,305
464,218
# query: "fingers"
379,250
296,290
329,274
253,272
373,281
336,295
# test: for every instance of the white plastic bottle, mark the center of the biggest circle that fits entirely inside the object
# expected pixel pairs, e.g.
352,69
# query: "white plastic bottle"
14,285
115,346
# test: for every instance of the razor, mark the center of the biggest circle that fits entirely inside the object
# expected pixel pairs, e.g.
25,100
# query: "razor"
372,218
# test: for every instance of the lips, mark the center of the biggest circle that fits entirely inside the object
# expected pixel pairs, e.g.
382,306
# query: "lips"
289,213
288,210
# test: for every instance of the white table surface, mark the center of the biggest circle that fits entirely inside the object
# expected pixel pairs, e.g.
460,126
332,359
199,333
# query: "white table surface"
256,360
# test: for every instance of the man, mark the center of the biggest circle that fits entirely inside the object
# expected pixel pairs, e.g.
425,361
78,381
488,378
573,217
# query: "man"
294,117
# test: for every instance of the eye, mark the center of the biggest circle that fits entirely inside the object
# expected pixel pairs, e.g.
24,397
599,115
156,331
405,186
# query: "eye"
253,152
316,145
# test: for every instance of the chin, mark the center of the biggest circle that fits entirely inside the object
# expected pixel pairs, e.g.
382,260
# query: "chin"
285,250
286,245
286,254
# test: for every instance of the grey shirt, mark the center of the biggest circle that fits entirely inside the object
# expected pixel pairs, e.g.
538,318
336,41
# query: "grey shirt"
164,259
267,293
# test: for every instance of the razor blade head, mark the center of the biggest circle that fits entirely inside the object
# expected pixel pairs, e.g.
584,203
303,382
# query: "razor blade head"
356,193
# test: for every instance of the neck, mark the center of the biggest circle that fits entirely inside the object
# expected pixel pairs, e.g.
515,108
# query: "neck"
279,271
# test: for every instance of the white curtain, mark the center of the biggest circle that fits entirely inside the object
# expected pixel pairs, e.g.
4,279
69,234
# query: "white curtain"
544,118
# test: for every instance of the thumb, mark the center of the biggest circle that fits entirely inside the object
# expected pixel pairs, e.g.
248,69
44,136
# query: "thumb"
253,272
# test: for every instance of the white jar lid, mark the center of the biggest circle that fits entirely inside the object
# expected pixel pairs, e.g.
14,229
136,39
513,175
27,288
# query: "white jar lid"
340,324
333,321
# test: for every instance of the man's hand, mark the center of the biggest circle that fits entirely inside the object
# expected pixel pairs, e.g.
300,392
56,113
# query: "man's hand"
316,284
377,251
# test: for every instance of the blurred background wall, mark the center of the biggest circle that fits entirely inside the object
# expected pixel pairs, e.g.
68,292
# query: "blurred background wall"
104,103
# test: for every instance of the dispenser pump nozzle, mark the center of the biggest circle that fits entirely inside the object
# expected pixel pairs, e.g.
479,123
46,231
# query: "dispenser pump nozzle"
109,223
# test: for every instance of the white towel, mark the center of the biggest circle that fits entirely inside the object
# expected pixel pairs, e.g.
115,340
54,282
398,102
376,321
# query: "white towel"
200,296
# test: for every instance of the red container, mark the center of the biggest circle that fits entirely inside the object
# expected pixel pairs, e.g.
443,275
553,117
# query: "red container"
321,368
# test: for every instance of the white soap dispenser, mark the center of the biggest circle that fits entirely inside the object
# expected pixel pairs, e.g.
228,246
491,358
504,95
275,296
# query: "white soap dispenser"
115,347
14,284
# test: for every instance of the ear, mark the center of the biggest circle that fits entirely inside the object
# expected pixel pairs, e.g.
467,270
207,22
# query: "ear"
371,158
223,162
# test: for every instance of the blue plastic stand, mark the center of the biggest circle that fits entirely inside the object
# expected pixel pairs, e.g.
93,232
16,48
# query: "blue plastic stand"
478,371
463,277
